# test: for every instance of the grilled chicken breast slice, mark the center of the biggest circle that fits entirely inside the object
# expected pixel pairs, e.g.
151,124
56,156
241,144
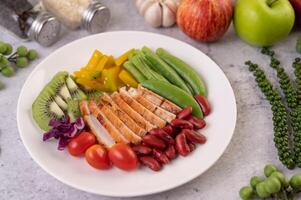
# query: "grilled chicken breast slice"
160,112
158,100
105,122
123,129
125,118
99,131
148,115
84,109
131,112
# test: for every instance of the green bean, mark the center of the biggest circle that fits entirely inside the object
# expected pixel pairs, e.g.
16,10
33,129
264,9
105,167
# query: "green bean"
185,71
174,94
132,69
164,69
142,68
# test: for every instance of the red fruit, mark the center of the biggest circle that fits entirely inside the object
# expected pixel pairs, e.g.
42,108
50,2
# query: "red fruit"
297,6
205,20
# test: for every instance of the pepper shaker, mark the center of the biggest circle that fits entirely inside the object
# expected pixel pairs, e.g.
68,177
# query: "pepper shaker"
20,18
88,14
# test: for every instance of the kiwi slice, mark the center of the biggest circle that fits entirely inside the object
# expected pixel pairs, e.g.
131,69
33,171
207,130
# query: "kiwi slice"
58,85
44,108
93,94
60,102
73,109
76,93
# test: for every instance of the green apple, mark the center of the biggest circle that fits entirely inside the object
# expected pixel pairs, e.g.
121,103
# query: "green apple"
263,22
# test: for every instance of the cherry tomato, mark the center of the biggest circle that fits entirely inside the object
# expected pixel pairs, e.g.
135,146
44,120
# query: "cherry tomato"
123,157
97,157
81,143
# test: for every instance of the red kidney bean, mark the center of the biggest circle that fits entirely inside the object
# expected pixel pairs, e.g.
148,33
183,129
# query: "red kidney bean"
183,114
168,129
171,152
181,123
204,104
154,141
160,156
141,149
150,162
193,136
191,146
198,123
160,133
181,145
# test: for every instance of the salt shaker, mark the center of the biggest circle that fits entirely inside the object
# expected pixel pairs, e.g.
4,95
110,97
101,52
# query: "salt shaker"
20,18
88,14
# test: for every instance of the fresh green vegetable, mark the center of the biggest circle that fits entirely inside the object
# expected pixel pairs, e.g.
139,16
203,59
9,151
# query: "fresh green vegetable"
21,62
32,54
269,169
272,185
3,47
246,193
174,94
292,101
255,180
295,182
164,69
280,119
261,190
134,71
9,49
185,71
22,51
280,176
8,71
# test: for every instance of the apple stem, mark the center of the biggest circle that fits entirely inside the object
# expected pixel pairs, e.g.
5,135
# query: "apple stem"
271,2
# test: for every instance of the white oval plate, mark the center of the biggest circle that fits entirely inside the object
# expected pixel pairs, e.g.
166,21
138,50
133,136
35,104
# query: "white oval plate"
114,182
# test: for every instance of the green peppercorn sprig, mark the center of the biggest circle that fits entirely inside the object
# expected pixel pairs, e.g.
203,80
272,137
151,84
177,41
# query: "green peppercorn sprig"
280,119
275,185
20,58
292,101
297,72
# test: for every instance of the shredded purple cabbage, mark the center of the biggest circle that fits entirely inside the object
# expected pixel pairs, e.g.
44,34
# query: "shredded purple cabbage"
63,130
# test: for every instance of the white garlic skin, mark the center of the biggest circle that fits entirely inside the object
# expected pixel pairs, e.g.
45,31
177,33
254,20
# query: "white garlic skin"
158,12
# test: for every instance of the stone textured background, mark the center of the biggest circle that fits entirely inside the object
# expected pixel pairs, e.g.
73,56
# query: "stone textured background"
251,147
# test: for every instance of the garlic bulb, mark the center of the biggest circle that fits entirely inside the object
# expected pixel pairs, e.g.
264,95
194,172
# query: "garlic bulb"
158,12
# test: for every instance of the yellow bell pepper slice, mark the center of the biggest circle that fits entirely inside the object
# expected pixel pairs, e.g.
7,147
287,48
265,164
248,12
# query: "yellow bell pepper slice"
110,77
110,62
127,79
94,59
124,57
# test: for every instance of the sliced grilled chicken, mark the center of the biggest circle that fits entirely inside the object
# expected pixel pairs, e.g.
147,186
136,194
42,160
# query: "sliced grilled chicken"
158,100
125,118
148,115
160,112
131,112
84,109
123,129
99,131
105,122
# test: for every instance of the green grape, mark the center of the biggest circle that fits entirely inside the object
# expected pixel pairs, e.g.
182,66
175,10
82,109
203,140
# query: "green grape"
2,86
246,193
22,51
269,169
9,49
21,62
32,54
3,47
8,71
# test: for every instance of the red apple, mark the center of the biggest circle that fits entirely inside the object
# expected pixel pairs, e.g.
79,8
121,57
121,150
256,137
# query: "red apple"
297,6
205,20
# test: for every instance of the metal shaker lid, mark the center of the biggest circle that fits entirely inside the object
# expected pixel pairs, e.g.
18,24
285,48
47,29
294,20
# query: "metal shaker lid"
45,29
96,17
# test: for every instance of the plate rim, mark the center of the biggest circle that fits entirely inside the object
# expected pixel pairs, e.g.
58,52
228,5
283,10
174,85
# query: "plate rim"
155,191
